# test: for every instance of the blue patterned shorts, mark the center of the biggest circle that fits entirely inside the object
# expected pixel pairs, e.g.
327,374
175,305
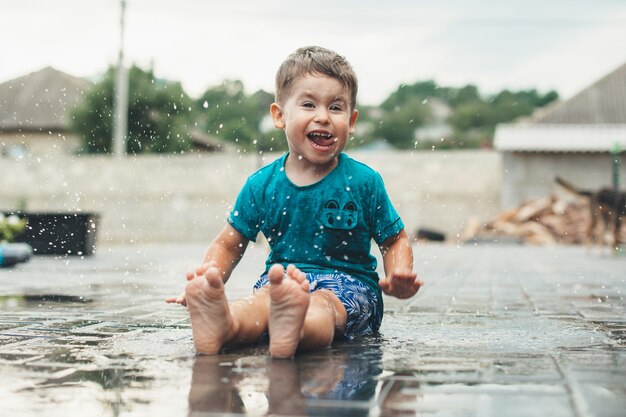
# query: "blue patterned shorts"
360,301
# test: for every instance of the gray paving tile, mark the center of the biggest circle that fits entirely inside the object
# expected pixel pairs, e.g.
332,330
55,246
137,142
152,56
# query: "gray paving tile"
497,330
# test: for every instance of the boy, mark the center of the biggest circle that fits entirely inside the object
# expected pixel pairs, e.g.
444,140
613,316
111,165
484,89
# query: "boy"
319,210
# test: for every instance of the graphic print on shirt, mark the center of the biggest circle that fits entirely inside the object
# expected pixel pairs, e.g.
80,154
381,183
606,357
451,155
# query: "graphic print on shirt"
340,219
340,216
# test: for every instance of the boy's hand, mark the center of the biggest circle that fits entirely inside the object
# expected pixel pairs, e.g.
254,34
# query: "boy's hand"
401,284
182,299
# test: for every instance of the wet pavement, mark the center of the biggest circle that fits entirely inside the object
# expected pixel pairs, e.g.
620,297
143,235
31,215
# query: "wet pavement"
498,330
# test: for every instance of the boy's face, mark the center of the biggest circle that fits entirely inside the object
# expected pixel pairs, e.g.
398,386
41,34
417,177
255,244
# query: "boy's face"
317,117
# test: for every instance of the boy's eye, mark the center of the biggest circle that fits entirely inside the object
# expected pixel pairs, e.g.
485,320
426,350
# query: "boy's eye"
336,107
307,104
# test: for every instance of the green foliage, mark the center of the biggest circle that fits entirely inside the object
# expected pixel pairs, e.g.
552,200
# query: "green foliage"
230,114
160,114
472,117
398,125
424,90
233,116
10,227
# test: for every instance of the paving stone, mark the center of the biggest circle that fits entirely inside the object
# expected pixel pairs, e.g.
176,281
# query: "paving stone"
497,330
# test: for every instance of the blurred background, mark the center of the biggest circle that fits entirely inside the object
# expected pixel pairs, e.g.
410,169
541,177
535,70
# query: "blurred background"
147,116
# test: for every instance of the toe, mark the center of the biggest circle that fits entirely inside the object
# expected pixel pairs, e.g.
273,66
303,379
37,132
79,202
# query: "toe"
212,275
276,274
298,276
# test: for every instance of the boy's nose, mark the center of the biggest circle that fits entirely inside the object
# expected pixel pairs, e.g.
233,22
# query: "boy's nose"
321,116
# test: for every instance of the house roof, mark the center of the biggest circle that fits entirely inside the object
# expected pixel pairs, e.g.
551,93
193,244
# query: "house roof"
594,120
602,102
211,143
40,100
560,137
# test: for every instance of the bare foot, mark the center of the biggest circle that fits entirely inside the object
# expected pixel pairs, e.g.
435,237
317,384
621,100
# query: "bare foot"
212,324
289,301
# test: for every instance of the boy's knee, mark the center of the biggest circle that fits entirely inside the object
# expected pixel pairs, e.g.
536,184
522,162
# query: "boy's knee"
326,308
335,304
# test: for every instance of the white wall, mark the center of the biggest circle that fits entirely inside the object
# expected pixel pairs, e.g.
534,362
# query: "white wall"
51,144
186,197
529,175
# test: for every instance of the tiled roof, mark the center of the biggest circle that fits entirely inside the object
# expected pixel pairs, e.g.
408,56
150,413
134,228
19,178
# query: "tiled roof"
40,100
602,102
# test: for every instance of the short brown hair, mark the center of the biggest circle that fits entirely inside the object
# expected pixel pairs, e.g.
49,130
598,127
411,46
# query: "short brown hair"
315,60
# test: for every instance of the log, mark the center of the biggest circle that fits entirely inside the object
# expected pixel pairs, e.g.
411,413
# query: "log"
542,221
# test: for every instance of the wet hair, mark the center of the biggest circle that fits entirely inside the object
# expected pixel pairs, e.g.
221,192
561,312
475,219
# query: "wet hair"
318,61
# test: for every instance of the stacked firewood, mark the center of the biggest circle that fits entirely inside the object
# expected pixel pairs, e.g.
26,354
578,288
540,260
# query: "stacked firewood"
543,221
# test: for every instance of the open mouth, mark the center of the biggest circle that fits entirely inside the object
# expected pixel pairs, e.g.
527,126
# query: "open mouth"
321,139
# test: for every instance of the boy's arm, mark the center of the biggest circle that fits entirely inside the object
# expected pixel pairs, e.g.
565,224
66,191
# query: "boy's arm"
224,253
400,281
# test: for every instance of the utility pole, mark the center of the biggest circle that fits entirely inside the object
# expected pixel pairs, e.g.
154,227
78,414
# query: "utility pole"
121,97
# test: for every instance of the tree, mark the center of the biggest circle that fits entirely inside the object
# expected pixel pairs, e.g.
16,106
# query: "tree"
398,126
473,117
160,114
406,93
269,139
229,113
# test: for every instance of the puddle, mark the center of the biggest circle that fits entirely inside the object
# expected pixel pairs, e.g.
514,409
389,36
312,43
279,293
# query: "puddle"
72,324
616,331
106,378
13,302
310,384
514,334
8,340
55,298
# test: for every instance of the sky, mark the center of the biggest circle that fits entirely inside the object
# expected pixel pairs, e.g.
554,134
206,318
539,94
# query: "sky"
561,45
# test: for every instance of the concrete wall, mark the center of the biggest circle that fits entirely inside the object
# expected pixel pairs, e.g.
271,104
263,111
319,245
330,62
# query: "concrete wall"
530,175
50,144
187,197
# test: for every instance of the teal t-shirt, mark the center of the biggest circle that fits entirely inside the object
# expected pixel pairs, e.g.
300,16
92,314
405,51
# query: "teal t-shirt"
326,227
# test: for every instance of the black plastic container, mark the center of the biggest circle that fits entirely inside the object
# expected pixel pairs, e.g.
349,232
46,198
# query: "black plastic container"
60,233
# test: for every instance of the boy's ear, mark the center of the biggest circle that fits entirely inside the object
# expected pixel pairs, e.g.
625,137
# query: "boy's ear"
353,118
277,116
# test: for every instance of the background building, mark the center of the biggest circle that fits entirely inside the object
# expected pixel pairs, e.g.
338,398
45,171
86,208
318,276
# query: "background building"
34,113
575,139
